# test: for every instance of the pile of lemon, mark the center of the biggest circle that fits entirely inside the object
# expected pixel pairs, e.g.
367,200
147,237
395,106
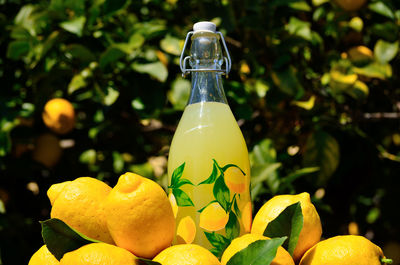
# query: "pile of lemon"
136,219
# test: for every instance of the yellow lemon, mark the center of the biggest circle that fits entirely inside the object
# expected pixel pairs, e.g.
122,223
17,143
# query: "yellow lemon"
187,254
213,217
235,180
79,203
43,256
140,217
99,254
310,233
360,54
59,115
344,250
282,256
47,150
186,231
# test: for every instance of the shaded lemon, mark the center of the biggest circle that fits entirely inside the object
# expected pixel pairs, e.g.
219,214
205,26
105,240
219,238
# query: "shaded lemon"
353,228
360,54
43,256
247,217
310,233
139,216
186,254
99,254
235,180
79,203
213,217
343,250
351,5
186,231
59,115
282,256
47,150
174,205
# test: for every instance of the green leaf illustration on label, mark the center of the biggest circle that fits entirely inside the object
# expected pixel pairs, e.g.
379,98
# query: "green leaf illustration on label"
213,175
221,193
219,243
288,223
182,198
232,227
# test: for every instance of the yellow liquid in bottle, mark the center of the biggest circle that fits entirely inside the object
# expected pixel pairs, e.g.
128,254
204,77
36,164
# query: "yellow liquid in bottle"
208,149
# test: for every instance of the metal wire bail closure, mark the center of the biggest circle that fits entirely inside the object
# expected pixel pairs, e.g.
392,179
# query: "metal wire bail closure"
183,60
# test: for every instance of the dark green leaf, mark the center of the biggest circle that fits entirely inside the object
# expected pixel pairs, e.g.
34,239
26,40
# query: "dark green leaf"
5,143
385,51
143,261
176,175
60,238
289,224
111,6
381,8
221,193
171,45
17,48
182,199
79,52
260,252
232,228
375,70
322,150
211,179
112,54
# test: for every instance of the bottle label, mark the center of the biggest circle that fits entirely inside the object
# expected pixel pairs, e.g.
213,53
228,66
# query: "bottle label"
221,218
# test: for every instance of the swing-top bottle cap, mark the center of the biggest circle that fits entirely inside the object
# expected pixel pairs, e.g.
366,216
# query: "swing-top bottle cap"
204,26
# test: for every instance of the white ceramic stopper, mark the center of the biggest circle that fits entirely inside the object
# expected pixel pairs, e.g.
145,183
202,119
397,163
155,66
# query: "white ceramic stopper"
205,26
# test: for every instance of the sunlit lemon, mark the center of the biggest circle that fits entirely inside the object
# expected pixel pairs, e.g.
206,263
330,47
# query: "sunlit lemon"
59,115
43,257
186,254
213,217
186,231
235,180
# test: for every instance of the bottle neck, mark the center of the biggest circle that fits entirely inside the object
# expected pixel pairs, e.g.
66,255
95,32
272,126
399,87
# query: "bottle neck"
206,54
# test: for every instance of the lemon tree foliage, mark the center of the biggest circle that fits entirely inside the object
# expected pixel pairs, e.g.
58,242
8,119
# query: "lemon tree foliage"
314,86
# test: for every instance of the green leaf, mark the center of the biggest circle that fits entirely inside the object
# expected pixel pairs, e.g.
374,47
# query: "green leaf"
232,228
211,179
111,96
385,51
179,93
263,153
156,70
176,175
77,82
18,48
375,70
221,193
224,168
287,81
143,261
171,45
182,199
382,9
80,53
5,143
118,162
219,243
111,55
301,6
88,157
322,150
110,6
136,41
289,224
60,238
75,25
260,252
299,28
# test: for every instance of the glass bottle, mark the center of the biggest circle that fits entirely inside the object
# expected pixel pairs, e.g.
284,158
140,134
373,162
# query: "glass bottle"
208,164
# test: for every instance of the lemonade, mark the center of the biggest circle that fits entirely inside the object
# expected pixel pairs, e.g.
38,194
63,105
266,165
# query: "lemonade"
208,165
206,133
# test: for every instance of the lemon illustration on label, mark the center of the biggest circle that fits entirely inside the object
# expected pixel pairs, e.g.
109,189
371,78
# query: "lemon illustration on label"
174,205
235,180
213,217
186,231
